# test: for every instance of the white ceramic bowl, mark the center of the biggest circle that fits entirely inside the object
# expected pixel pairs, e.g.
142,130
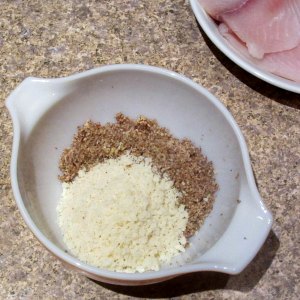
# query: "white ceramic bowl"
46,113
211,29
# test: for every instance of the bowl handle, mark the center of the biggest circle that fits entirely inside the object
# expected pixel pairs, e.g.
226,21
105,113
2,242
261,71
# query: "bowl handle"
243,238
28,102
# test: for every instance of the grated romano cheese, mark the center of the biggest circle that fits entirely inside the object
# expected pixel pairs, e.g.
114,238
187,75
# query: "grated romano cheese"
123,216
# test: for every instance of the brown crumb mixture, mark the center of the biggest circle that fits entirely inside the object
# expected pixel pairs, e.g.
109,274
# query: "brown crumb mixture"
190,171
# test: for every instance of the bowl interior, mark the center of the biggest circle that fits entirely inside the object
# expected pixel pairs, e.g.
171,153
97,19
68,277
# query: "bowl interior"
177,105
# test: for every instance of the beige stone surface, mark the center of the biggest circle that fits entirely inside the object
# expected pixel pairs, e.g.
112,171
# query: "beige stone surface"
58,38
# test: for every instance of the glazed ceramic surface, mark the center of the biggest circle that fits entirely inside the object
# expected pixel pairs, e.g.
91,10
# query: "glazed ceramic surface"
211,29
46,113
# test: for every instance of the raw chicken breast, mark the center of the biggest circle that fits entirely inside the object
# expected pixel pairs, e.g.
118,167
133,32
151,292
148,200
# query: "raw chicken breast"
266,26
216,8
285,64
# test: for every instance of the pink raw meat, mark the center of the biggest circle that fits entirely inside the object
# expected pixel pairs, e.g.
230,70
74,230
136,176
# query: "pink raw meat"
266,26
285,64
217,7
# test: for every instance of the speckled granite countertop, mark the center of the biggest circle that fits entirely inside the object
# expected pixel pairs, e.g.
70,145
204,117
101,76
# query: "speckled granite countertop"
58,38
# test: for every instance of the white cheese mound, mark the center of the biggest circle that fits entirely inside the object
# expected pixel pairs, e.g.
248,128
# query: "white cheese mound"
123,216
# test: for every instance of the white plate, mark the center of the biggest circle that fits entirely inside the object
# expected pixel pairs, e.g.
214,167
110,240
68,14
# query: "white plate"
211,29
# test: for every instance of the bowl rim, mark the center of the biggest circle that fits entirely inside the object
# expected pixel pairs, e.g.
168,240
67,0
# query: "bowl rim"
121,276
206,22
